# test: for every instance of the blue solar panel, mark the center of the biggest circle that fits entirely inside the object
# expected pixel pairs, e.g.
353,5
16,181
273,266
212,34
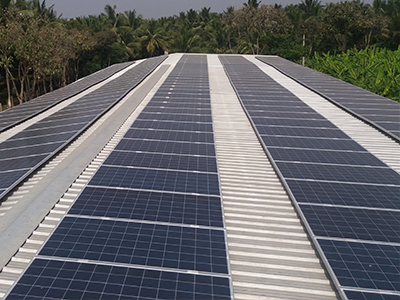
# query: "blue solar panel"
144,244
163,161
339,173
35,149
328,157
357,295
154,203
166,147
166,135
345,95
335,193
20,113
364,265
350,223
346,196
52,279
149,206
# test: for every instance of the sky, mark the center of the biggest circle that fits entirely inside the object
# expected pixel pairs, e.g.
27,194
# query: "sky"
149,8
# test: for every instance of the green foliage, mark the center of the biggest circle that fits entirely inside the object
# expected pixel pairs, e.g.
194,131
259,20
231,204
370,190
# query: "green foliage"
40,51
373,69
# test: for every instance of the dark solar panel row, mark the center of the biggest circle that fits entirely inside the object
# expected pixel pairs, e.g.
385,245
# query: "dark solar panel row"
375,109
21,154
20,113
343,191
150,216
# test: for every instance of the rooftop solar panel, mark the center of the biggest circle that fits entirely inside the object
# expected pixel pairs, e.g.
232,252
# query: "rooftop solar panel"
27,110
341,93
52,279
347,198
149,206
152,204
43,144
162,161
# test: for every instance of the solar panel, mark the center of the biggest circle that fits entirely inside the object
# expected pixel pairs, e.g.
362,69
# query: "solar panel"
52,279
346,196
342,93
36,144
150,206
20,113
149,224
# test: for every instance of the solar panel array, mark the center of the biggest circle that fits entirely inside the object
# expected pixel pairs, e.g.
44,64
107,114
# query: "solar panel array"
149,225
377,110
26,110
347,197
24,152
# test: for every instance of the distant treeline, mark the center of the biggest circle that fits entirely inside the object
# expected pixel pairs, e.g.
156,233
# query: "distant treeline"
41,51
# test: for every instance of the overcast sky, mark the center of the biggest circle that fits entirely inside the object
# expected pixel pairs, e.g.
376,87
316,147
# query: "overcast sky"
149,8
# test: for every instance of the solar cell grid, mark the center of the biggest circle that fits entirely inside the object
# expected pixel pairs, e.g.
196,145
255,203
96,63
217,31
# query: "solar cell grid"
149,134
293,122
364,265
361,224
16,153
8,178
29,109
176,110
166,147
326,157
312,143
302,132
339,92
56,123
339,173
135,243
287,114
357,295
50,130
149,206
51,279
173,126
377,186
345,194
162,161
13,165
176,117
68,116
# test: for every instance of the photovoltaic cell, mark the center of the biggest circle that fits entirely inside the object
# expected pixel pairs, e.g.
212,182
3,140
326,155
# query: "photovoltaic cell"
357,295
342,93
364,265
162,161
174,126
157,180
362,224
341,188
41,145
326,157
339,173
333,193
144,244
312,143
166,147
22,112
52,279
166,135
149,206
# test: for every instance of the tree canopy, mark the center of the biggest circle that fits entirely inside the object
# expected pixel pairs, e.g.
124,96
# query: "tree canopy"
41,51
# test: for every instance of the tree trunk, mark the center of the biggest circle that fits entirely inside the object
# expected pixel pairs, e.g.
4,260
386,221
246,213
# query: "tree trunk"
51,82
64,76
8,83
44,85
